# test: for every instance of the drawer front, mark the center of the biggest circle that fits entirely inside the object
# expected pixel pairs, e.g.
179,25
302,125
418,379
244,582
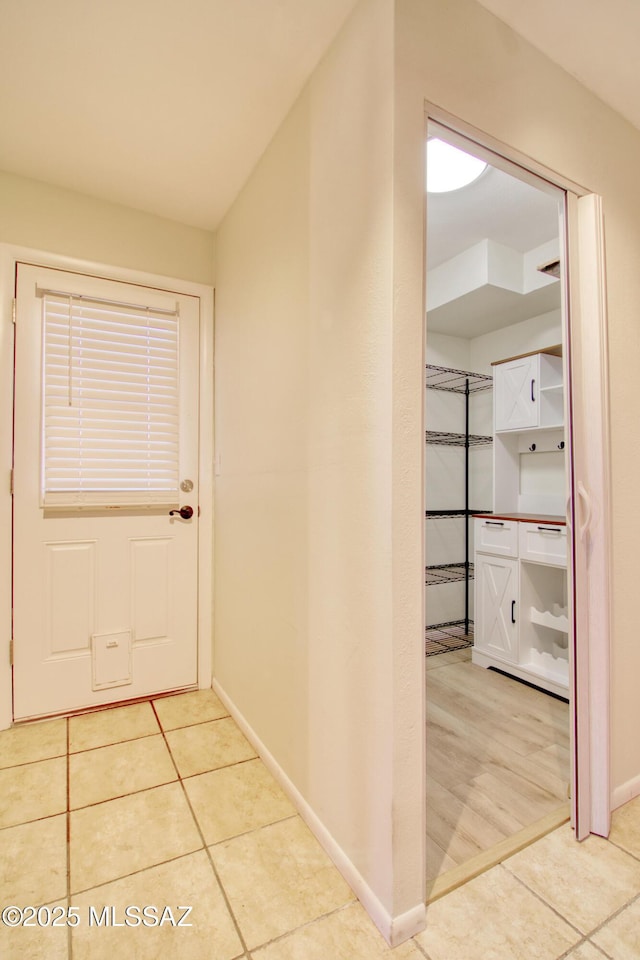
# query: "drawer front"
544,543
499,537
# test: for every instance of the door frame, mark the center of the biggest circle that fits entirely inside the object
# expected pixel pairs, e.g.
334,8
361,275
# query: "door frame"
586,369
10,255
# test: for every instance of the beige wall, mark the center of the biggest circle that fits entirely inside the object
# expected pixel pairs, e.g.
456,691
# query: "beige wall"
461,58
43,217
319,411
311,622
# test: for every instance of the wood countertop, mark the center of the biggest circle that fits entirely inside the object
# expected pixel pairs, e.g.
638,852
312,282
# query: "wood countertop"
525,517
554,351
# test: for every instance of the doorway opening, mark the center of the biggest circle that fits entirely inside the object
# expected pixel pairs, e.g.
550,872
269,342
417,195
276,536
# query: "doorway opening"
499,629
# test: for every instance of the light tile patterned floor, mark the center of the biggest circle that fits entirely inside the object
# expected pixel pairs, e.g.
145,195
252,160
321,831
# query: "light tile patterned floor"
166,804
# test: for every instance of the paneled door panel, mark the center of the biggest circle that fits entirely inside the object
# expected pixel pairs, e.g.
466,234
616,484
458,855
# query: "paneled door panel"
106,414
497,605
516,405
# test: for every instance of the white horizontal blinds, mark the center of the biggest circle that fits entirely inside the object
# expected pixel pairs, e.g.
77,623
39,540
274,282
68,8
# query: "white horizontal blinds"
111,404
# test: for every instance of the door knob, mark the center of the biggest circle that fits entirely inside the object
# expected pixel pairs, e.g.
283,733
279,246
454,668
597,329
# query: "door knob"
185,512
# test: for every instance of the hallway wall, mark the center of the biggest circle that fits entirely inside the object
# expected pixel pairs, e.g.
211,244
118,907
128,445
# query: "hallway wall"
319,322
44,217
318,584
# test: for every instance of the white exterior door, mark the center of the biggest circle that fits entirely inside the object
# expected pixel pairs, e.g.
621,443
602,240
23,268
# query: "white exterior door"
105,446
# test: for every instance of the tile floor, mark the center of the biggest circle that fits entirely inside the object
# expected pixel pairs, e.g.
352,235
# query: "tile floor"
166,804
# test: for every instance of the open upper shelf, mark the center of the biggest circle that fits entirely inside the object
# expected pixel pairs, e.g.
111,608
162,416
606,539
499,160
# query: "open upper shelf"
455,439
456,381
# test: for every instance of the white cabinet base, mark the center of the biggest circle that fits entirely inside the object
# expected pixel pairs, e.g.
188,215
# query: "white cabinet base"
525,672
521,615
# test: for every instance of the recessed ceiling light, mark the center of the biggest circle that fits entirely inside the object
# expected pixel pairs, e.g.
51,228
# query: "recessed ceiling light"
449,168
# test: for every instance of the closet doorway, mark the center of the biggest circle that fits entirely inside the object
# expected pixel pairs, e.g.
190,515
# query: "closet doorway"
498,571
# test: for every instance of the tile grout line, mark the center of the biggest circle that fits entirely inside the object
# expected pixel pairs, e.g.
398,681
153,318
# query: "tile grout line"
155,786
134,873
196,723
29,763
247,833
123,796
226,766
132,793
419,948
234,920
23,823
611,917
115,743
600,949
633,899
629,853
567,953
322,916
543,901
143,736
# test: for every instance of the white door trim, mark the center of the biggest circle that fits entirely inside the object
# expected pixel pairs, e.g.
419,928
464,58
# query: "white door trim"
9,256
591,688
592,512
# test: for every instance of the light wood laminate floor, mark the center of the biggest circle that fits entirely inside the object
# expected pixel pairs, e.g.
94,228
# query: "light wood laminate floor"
497,759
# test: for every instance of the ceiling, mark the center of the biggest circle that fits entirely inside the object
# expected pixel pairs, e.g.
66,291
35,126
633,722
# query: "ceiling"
171,113
501,208
496,206
160,105
490,308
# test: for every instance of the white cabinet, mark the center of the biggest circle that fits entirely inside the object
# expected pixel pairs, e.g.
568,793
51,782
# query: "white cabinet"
543,543
498,537
496,607
528,393
514,394
521,615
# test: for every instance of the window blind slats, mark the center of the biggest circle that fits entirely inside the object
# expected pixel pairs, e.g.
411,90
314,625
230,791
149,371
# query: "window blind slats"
110,403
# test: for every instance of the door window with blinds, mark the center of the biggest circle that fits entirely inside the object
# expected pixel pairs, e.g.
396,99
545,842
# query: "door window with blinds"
110,411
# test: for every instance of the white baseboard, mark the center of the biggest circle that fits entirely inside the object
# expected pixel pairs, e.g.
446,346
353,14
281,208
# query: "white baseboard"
405,925
625,792
395,930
